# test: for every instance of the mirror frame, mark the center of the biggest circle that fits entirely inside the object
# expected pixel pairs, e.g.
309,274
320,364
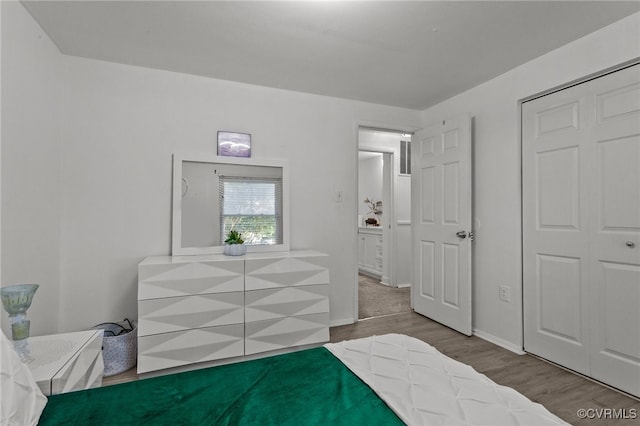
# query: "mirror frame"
176,219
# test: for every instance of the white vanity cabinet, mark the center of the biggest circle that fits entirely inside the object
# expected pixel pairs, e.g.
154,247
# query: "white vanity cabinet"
370,251
203,308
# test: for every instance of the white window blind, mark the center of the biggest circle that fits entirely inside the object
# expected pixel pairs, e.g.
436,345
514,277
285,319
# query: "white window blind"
253,207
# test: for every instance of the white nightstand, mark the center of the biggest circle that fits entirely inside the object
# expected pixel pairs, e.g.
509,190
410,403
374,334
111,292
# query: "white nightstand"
67,362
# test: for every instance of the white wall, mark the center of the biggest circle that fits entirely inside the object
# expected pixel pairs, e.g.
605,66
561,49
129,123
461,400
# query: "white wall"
31,117
121,125
494,106
369,183
2,319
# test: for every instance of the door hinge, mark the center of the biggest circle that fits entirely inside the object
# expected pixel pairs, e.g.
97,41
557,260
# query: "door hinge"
472,236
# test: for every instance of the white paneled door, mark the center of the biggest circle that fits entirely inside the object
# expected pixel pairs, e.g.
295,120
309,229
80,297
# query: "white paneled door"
441,223
581,228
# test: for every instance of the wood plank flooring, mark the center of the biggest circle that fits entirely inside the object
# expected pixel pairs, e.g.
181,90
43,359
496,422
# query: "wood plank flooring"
560,391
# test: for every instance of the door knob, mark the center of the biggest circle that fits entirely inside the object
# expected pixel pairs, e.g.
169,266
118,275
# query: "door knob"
461,234
630,244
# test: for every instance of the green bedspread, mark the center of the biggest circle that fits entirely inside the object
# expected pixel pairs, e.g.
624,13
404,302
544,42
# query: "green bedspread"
309,387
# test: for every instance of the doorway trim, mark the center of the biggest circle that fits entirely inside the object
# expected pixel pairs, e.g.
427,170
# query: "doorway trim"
357,126
387,210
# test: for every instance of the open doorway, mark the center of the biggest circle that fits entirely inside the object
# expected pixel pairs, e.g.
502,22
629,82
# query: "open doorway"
384,211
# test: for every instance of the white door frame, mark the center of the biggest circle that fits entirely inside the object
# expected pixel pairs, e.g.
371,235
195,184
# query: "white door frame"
388,211
383,127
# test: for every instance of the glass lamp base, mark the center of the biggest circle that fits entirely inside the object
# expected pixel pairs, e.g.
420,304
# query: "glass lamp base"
20,328
23,350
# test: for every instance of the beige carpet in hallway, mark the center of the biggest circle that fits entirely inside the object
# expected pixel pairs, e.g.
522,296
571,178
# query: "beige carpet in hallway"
375,299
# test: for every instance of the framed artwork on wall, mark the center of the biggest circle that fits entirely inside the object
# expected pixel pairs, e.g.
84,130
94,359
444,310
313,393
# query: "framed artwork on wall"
231,144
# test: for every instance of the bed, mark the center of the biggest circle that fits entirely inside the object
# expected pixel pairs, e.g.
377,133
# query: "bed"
379,380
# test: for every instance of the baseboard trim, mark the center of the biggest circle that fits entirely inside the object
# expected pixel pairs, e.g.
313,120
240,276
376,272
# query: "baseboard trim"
341,321
404,285
498,341
369,273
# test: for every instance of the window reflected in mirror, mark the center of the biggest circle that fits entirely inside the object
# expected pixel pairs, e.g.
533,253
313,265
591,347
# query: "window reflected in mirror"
253,207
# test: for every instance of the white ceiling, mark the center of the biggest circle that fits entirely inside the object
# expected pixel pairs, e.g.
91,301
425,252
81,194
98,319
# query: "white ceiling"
408,54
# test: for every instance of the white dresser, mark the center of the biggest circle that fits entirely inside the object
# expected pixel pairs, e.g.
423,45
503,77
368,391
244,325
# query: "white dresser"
202,308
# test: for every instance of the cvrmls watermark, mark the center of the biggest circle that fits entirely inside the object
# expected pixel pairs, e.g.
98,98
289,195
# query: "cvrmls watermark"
607,413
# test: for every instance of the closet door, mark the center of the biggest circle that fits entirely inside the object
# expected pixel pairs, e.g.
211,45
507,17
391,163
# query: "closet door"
555,228
614,264
581,228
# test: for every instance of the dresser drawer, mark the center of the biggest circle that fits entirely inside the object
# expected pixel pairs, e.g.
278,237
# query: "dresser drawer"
287,301
186,278
188,347
268,335
84,371
185,312
67,362
285,272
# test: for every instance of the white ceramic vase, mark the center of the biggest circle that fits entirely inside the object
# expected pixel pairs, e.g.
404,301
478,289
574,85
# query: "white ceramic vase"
235,249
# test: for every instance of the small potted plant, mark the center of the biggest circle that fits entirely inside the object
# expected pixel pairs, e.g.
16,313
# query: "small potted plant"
375,207
234,244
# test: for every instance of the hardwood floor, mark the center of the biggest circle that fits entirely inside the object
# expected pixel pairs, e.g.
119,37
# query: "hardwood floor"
127,376
560,391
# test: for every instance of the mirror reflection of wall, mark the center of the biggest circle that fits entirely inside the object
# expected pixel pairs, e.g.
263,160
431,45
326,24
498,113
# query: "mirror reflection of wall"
370,180
218,197
199,202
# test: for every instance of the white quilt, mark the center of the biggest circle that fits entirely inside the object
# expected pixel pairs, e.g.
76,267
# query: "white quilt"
425,387
21,400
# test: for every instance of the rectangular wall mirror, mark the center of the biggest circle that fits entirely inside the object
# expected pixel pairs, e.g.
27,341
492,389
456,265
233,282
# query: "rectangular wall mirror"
212,196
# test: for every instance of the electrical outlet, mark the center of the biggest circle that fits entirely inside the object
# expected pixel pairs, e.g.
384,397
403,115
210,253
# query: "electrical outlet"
505,293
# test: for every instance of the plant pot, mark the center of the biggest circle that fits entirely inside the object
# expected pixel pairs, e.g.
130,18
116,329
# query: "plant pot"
235,249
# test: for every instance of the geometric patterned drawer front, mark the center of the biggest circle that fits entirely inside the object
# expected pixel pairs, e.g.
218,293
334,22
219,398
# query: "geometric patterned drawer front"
181,279
84,371
263,336
187,347
287,301
67,361
285,271
158,316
